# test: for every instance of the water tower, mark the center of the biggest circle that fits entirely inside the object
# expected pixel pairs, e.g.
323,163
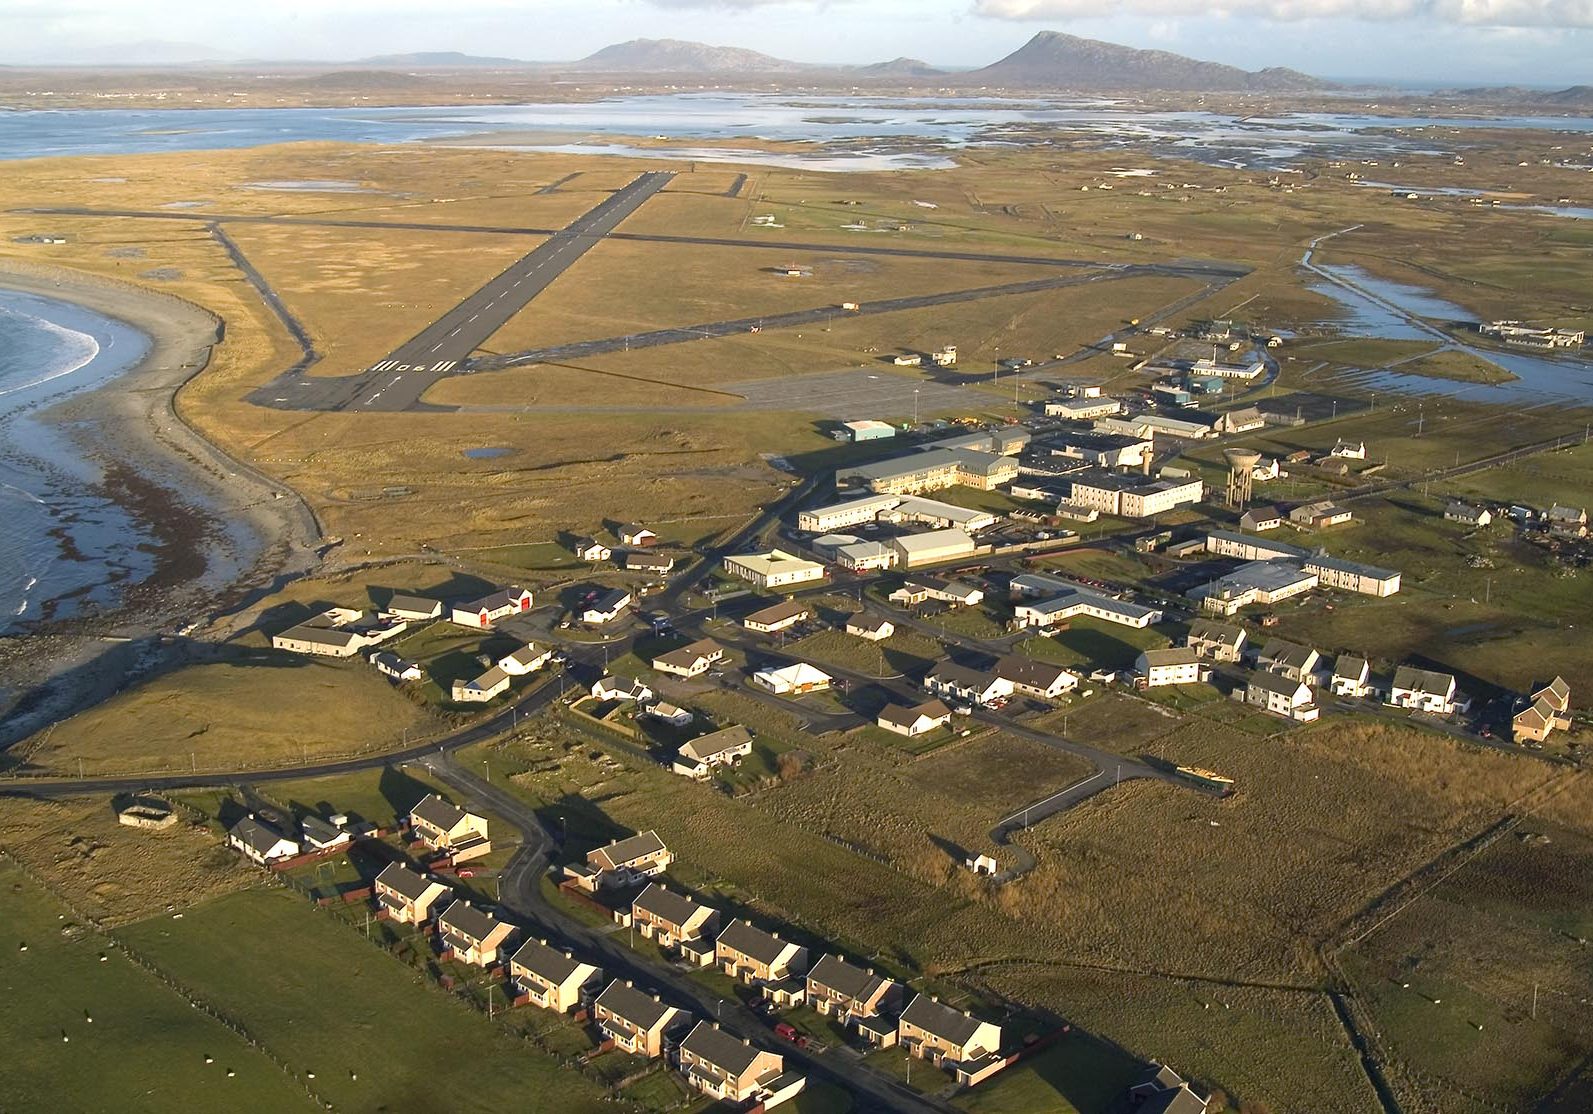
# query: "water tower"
1241,473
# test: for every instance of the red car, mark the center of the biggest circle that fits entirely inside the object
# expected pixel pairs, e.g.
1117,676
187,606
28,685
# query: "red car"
785,1032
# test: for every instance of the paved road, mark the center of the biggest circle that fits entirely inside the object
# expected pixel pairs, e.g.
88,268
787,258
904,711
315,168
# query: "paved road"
399,381
520,892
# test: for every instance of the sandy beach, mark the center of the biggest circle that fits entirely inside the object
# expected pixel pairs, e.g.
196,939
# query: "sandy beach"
223,532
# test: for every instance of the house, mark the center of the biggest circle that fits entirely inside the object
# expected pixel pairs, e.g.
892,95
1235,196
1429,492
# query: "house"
590,549
489,686
448,829
1567,521
1284,696
865,626
1261,519
260,841
690,661
607,607
638,1023
1352,576
1352,677
746,952
325,834
672,714
399,669
339,632
792,680
639,536
920,719
656,564
1320,515
962,1044
1468,515
1556,692
856,997
781,616
526,660
1242,420
621,688
1289,659
407,897
474,937
1217,641
725,747
1425,690
481,614
958,593
415,609
623,862
1348,450
673,920
774,569
1536,721
1177,665
1039,679
1164,1091
552,978
972,686
726,1067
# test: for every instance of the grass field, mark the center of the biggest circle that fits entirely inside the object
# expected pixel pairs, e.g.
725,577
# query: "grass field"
325,1001
86,1033
251,709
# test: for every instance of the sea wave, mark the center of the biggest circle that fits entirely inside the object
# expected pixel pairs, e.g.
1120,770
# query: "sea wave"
67,351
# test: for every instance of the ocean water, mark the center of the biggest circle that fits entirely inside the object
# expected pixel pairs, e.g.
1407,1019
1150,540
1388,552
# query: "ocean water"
65,549
876,128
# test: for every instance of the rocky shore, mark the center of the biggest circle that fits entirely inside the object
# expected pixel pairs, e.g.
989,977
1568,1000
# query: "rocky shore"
222,532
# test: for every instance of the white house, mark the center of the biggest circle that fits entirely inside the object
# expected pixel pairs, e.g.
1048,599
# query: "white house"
621,688
875,630
1352,677
792,680
698,757
260,841
526,660
482,613
1468,515
399,669
491,684
973,686
918,720
1424,690
590,549
607,607
672,714
1178,665
1040,679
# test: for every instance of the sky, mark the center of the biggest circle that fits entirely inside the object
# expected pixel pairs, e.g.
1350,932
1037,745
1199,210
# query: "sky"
1442,42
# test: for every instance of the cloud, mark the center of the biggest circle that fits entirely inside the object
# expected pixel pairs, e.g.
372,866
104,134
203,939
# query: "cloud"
1469,13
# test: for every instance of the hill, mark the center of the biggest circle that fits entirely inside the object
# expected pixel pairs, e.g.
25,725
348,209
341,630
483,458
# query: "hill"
675,56
437,60
899,67
1054,60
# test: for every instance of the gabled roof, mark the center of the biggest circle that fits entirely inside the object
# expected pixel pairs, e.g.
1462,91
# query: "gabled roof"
439,813
413,603
1209,630
785,609
405,882
706,746
1350,667
547,962
1538,715
1026,671
629,849
470,922
1291,654
1180,1100
834,973
1557,692
1276,683
711,1043
749,940
799,673
949,672
1427,681
664,903
504,597
624,1000
611,600
1172,655
525,656
940,1020
906,717
869,623
320,636
258,835
689,655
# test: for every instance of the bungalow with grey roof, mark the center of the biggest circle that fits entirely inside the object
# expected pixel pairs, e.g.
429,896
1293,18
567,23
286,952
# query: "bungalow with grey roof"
912,722
870,627
260,841
958,682
414,608
481,614
590,549
620,688
489,686
399,669
655,563
781,616
1040,679
526,660
690,661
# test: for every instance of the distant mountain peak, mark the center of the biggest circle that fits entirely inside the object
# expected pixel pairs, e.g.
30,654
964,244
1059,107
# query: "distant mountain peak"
679,56
1054,59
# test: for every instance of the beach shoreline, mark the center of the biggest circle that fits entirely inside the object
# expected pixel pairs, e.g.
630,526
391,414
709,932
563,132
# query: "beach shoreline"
223,533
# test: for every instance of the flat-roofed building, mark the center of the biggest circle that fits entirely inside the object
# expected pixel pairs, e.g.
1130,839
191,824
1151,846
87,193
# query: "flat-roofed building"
866,556
1352,576
1102,450
852,512
774,569
1247,547
1258,582
1129,494
1082,409
932,471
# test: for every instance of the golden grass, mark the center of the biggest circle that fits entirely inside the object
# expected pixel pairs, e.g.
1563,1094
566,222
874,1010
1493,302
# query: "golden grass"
113,873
